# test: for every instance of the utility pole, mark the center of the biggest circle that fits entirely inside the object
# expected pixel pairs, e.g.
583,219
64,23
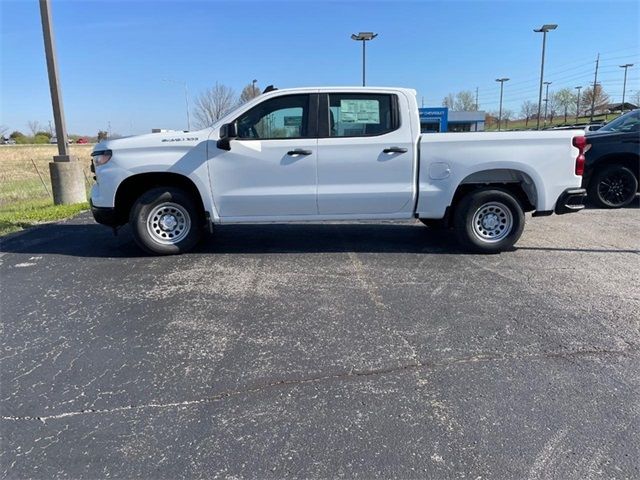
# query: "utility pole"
595,85
253,88
67,179
501,80
546,102
364,37
624,85
476,99
579,87
186,98
544,29
186,101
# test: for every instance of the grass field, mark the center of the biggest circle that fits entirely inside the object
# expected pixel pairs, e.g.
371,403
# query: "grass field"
25,185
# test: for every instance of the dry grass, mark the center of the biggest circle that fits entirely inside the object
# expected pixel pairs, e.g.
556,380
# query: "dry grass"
24,169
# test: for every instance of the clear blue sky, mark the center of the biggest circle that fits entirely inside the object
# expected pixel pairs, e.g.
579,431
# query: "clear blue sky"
113,55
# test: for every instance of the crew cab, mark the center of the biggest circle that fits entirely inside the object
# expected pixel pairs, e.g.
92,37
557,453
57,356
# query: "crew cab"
318,154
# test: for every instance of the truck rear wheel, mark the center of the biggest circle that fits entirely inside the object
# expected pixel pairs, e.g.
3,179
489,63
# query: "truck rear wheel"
488,221
165,221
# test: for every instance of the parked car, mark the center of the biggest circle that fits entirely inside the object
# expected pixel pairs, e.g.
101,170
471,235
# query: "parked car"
316,154
612,162
593,127
53,140
82,141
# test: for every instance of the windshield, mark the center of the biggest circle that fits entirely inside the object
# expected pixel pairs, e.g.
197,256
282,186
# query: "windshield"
629,122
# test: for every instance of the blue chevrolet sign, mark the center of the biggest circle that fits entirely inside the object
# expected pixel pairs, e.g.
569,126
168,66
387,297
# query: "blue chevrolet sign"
435,115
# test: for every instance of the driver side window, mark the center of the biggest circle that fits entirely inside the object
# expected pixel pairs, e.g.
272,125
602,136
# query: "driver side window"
280,117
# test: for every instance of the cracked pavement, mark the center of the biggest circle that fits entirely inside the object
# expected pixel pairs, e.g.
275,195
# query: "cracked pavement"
335,350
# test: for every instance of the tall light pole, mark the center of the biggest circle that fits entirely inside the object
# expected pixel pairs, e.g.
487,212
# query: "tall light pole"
579,87
546,102
253,87
594,92
624,85
501,80
363,37
67,179
544,29
186,98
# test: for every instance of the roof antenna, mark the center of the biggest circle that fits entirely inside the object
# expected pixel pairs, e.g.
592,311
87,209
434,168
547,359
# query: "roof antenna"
270,88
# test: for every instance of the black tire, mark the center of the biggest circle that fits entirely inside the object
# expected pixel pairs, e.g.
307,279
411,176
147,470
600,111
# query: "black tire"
176,209
434,223
614,186
488,220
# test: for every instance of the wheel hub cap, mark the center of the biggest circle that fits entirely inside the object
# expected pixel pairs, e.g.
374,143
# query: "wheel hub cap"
168,222
492,222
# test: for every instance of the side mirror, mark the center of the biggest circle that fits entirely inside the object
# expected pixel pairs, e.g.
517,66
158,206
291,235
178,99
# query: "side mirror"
228,132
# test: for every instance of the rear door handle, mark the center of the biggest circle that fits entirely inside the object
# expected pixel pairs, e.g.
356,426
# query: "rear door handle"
299,151
395,150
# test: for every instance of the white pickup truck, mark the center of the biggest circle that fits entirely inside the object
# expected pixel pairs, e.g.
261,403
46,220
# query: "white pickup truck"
317,154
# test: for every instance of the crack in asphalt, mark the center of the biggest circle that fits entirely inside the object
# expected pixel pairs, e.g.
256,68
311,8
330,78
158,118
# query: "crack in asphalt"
347,375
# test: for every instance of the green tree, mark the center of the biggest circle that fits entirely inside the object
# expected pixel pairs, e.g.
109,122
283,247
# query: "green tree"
16,134
42,132
448,101
41,139
249,92
566,100
598,97
465,101
527,110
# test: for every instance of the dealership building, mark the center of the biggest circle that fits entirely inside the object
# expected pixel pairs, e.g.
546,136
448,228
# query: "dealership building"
441,119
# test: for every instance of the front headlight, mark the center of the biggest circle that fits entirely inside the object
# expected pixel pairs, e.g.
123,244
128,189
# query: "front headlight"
101,157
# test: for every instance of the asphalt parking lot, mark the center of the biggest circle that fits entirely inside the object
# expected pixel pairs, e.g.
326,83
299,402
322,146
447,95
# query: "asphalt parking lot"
336,350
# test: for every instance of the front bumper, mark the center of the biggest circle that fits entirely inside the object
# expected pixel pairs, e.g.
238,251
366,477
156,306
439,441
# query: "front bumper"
570,201
105,215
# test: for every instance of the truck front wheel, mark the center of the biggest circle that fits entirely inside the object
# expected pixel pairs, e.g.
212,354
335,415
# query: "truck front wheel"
488,221
165,221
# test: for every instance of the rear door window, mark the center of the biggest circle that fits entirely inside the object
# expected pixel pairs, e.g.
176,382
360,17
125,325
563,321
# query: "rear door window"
361,115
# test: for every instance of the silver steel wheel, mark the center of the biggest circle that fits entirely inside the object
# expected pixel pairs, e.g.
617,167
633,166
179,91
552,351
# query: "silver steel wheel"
168,223
492,222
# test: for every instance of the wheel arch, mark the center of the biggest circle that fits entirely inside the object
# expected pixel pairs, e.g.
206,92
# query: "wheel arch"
132,187
517,182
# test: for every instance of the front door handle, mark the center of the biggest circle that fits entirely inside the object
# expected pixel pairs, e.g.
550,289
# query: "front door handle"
395,150
299,151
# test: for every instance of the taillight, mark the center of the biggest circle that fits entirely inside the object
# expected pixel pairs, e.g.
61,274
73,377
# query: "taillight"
580,143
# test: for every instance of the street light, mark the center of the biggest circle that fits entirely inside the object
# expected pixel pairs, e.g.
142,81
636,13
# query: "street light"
363,37
544,29
253,88
501,80
579,87
67,180
624,85
546,102
186,98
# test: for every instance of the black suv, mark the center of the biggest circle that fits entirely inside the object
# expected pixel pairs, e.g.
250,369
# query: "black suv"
612,161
